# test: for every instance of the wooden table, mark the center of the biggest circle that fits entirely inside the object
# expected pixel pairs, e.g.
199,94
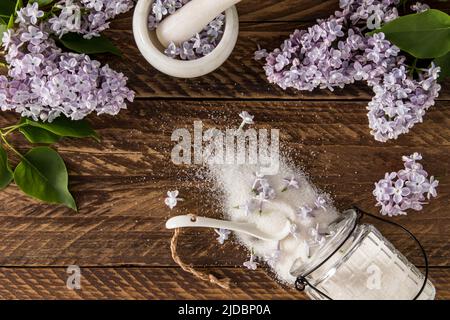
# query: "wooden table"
118,236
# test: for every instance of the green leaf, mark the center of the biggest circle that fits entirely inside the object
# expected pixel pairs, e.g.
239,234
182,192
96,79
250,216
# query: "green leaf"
7,7
65,127
77,43
6,174
42,174
38,135
18,6
10,22
423,35
444,63
41,3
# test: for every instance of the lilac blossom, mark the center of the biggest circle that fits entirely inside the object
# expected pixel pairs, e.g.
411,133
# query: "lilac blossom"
29,14
223,235
247,118
86,17
406,189
320,203
400,102
293,230
419,7
259,178
291,183
430,186
43,82
251,264
273,257
336,52
260,53
172,199
305,212
200,44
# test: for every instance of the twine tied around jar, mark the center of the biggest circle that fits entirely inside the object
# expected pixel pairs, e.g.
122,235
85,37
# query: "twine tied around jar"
223,283
302,281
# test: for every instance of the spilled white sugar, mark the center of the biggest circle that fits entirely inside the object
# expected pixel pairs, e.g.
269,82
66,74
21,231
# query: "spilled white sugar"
236,182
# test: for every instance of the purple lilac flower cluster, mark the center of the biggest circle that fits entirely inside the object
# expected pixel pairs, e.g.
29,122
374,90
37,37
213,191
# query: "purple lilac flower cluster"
336,52
400,101
43,82
199,45
86,17
406,189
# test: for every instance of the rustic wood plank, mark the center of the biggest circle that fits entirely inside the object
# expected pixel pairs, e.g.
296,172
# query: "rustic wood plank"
240,77
122,223
156,284
318,134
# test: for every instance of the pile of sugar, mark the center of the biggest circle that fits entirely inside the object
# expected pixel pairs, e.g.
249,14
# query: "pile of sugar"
308,232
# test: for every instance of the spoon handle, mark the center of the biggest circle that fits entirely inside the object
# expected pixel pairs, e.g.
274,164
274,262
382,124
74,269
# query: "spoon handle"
202,222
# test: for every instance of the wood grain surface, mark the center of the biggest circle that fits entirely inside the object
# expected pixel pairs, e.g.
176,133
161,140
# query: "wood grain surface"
118,236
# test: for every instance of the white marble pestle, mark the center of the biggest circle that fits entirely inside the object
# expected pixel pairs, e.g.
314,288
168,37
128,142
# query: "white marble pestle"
190,19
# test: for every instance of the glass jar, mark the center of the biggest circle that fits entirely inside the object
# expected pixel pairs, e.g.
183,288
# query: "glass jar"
365,267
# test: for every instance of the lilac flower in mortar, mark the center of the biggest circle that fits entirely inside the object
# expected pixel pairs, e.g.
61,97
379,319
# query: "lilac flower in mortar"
172,50
159,9
290,183
187,51
172,199
223,235
247,118
251,264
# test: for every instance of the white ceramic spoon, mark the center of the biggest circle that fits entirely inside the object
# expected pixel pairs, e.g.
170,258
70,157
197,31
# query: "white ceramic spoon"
247,228
190,19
